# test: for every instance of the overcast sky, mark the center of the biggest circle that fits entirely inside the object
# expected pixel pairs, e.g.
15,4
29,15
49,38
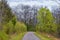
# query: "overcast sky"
47,3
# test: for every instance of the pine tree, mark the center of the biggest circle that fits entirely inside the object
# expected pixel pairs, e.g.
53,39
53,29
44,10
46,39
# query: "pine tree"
5,12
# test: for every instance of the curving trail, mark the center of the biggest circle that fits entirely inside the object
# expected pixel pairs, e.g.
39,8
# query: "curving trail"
30,36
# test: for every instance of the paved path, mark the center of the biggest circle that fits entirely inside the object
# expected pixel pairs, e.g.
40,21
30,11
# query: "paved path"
30,36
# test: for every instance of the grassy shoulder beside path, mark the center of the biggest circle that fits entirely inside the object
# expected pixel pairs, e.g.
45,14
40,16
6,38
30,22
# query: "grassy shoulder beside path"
42,37
18,36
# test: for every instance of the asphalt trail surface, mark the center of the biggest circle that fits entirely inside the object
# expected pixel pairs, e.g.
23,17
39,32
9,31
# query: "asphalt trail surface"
30,36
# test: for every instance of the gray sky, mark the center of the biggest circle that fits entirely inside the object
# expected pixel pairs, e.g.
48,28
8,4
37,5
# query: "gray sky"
47,3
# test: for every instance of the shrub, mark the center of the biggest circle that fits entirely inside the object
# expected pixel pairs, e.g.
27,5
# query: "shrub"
20,27
8,28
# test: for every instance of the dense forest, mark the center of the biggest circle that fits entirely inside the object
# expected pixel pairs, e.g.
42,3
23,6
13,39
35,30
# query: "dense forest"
40,20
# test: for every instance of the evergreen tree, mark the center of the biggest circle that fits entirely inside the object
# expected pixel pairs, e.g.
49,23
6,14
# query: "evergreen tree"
7,15
5,12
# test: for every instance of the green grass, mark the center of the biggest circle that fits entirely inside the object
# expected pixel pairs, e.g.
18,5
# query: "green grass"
42,37
18,37
3,36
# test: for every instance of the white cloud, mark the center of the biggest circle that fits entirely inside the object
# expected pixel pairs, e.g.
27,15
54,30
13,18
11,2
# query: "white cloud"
45,3
11,4
48,3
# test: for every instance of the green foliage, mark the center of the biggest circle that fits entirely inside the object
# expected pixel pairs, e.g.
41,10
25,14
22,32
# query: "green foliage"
5,12
20,27
31,28
3,36
13,26
46,21
18,37
14,20
42,37
8,28
8,22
